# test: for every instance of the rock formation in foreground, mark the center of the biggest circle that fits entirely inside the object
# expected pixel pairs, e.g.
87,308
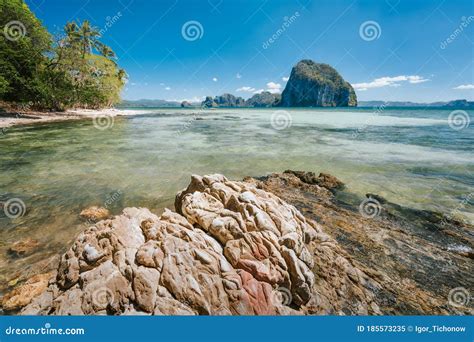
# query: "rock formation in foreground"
235,248
313,84
230,249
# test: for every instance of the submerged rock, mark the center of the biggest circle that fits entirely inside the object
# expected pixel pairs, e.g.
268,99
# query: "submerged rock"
314,84
324,180
24,294
23,247
95,214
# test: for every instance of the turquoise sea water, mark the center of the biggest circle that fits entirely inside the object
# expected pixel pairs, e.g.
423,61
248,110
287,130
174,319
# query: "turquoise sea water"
410,156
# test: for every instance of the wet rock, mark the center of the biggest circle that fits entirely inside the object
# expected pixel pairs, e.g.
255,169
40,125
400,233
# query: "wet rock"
23,247
406,259
95,214
329,182
24,294
378,198
324,180
231,249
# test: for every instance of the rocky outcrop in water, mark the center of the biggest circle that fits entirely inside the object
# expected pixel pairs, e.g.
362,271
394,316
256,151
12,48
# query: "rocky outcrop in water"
420,260
230,249
314,84
264,99
290,243
225,100
261,100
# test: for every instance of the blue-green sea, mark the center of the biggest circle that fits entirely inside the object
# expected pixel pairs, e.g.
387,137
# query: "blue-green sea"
421,158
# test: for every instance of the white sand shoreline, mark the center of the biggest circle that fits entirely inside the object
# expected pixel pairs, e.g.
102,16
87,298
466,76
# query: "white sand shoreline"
28,118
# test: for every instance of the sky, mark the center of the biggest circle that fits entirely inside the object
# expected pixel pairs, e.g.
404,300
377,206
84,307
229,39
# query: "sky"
392,50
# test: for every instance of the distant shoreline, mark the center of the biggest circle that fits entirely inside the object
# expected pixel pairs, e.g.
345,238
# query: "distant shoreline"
25,118
11,119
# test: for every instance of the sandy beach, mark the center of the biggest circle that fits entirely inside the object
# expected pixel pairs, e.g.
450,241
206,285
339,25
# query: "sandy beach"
10,119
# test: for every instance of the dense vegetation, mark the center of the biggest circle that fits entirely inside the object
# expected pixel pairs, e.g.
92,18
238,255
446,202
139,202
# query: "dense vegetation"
73,69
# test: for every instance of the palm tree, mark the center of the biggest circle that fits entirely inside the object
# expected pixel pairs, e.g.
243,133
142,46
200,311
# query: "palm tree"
87,38
107,52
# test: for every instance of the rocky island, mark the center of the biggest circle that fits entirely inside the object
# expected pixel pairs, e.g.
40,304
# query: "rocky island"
310,84
314,84
285,244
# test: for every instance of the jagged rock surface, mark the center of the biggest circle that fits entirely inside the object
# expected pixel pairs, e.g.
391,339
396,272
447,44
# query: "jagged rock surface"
263,99
231,249
317,85
417,258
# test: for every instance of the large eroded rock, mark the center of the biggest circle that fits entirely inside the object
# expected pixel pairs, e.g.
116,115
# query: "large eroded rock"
231,249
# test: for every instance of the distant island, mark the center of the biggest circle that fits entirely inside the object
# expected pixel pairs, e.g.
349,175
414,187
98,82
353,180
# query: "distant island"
449,104
266,100
310,84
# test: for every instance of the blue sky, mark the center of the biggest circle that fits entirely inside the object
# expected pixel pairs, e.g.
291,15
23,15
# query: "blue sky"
409,50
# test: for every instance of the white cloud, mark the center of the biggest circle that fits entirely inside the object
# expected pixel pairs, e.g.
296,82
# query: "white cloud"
465,87
389,82
192,100
285,79
273,87
214,79
246,89
239,76
168,88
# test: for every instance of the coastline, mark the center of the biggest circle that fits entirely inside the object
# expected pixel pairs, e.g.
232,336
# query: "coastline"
11,118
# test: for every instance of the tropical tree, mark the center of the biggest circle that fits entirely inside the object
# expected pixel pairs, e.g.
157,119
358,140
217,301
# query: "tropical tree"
73,70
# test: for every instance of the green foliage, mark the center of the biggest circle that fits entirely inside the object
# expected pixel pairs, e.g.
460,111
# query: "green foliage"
74,70
21,50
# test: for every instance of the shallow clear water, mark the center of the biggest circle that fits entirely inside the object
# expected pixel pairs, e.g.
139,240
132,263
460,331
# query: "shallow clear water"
409,156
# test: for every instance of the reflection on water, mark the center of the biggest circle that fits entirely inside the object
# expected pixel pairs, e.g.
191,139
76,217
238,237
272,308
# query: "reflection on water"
411,157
